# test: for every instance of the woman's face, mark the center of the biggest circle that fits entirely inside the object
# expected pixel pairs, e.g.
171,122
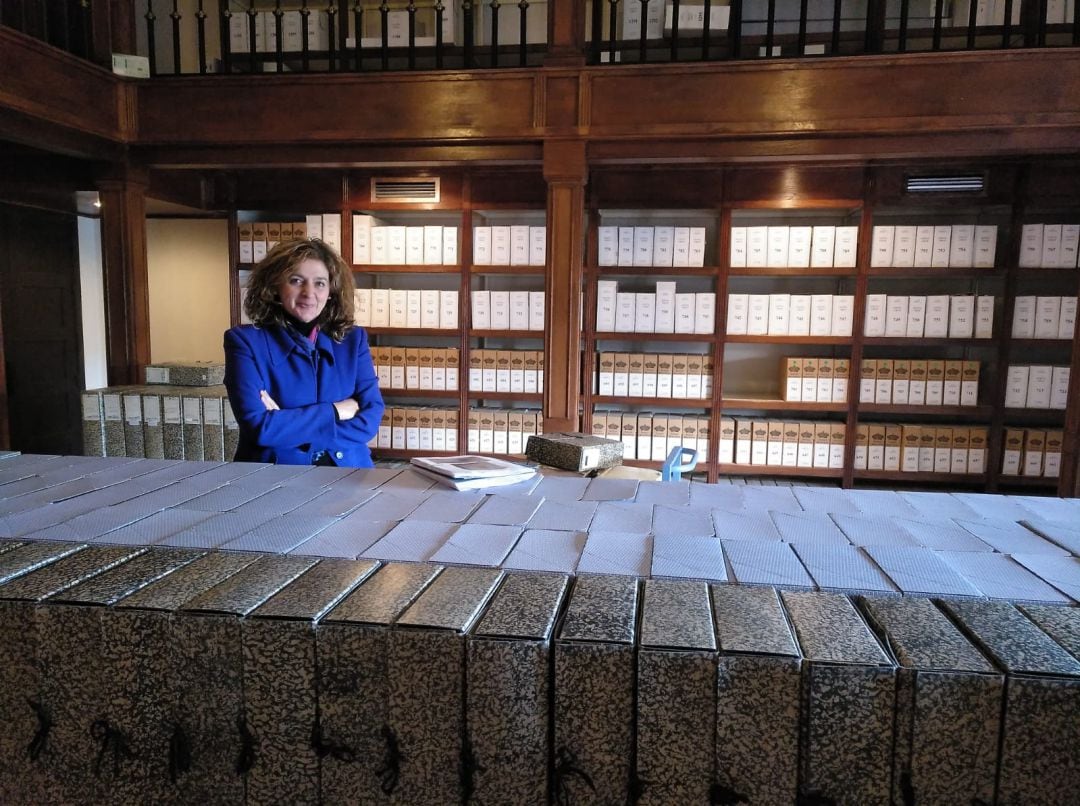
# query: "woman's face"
305,289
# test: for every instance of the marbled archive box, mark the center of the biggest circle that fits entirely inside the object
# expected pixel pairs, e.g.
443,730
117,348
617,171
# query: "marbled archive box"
1042,701
594,692
509,690
210,670
280,704
757,697
848,699
93,757
142,661
32,572
948,705
676,693
354,690
426,670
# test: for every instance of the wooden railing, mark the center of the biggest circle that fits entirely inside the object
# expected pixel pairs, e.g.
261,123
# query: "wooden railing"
183,37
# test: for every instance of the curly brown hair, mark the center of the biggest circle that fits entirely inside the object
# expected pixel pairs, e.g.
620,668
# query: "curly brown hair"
262,305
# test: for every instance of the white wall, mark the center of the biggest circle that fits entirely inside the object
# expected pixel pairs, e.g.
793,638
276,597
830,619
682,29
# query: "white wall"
188,267
92,290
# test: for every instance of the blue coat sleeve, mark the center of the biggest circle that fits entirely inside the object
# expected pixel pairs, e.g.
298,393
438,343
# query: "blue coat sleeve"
365,390
246,374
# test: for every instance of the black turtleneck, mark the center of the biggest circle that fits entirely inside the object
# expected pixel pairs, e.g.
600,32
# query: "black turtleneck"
303,328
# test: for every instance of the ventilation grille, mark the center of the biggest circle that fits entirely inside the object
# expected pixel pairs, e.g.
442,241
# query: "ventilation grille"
406,191
966,183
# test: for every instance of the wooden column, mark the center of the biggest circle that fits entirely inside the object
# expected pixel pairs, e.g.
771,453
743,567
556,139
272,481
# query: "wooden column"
566,33
565,171
127,300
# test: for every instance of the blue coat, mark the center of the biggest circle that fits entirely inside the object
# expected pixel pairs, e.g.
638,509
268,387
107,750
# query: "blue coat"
305,380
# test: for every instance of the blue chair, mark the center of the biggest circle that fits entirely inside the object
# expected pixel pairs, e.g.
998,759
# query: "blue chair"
673,466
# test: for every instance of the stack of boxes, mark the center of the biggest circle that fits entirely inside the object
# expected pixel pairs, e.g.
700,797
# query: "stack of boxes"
256,238
647,436
817,444
507,310
779,247
514,245
378,244
810,379
513,371
501,431
1044,317
1032,452
1049,246
665,311
1036,387
956,246
426,309
664,246
790,314
938,316
182,413
679,376
919,383
920,448
425,428
416,367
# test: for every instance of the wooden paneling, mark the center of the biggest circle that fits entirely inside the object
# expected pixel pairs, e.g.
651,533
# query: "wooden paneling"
938,92
74,104
446,107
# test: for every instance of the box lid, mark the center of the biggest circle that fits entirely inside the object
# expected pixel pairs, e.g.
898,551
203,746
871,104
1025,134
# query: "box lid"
830,630
315,591
114,584
187,582
922,637
603,609
751,621
1060,623
381,597
244,591
525,606
675,614
68,571
26,557
1011,640
453,600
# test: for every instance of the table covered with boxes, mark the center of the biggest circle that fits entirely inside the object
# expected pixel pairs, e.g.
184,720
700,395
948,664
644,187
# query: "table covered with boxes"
201,632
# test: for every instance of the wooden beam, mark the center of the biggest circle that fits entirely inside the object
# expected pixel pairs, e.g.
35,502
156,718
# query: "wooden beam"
566,172
127,299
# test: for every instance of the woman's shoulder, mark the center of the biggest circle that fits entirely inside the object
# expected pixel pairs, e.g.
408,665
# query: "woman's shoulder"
247,334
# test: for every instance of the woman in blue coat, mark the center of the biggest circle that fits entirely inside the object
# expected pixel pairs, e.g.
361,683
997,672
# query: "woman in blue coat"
300,379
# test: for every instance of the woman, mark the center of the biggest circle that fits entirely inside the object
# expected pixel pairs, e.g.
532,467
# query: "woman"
300,379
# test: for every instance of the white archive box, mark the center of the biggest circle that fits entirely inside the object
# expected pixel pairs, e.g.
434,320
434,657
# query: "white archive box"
822,241
664,321
924,246
757,247
606,296
738,314
777,245
916,317
961,316
1047,316
799,239
904,247
680,246
738,248
845,249
896,316
1070,246
821,311
875,315
1016,386
1067,318
962,246
942,243
881,248
985,246
1031,241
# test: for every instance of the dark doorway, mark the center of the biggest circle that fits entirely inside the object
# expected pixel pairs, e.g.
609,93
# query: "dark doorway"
42,326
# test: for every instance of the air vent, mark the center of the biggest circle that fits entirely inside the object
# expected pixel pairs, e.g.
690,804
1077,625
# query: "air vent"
419,190
967,183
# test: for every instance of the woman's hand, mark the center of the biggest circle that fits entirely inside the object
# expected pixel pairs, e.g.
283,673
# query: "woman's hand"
269,402
347,408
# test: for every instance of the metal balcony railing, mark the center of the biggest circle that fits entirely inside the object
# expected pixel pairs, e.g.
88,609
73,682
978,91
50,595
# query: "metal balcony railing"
184,37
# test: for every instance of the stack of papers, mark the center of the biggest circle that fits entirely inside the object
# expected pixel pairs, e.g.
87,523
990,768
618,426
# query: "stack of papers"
471,472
